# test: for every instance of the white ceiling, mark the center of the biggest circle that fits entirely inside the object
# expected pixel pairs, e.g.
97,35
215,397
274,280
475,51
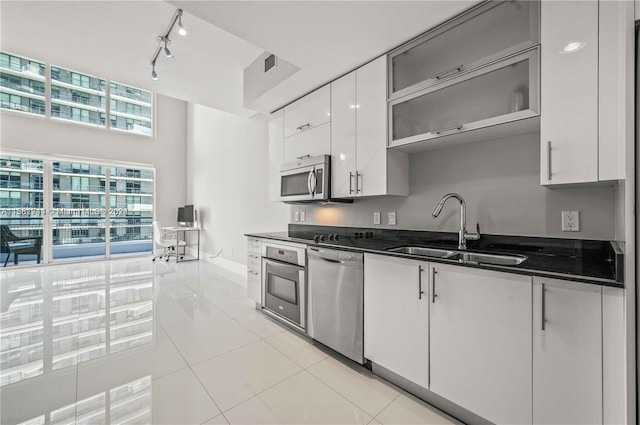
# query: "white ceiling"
116,40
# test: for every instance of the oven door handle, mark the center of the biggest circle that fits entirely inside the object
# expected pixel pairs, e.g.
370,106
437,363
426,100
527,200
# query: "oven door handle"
282,263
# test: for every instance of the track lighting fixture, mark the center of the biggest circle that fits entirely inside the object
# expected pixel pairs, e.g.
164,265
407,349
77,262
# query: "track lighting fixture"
164,41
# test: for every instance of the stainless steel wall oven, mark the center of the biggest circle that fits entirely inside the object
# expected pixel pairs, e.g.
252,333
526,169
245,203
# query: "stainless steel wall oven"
284,282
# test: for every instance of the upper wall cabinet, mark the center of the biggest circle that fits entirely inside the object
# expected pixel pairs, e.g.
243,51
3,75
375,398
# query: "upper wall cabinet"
586,70
488,32
361,165
307,125
503,91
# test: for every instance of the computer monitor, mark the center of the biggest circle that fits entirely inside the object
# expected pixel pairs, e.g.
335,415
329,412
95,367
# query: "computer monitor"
186,215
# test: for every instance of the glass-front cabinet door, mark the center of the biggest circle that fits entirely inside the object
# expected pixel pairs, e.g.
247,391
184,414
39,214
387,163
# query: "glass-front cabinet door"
484,34
501,92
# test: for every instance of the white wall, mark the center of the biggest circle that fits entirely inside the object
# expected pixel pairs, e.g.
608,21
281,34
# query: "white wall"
500,181
227,161
166,152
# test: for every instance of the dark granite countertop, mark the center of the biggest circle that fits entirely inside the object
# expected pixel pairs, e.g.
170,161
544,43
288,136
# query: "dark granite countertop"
588,261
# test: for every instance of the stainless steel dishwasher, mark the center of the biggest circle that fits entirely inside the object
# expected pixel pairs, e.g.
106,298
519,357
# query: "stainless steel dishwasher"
336,285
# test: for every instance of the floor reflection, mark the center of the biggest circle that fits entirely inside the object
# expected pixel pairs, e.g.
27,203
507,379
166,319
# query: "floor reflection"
56,317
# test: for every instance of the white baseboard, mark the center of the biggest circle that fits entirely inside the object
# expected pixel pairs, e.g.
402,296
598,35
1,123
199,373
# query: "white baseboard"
231,270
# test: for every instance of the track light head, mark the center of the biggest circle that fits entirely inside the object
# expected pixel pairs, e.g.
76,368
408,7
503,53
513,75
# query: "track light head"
181,29
154,74
166,48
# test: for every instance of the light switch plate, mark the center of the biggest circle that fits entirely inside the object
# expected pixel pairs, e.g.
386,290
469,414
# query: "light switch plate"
297,215
303,216
376,217
392,218
570,221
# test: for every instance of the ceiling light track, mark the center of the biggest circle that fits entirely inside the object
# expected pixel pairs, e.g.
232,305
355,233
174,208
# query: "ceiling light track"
164,41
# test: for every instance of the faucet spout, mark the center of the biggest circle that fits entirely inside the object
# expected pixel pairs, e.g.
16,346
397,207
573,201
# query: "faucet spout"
463,235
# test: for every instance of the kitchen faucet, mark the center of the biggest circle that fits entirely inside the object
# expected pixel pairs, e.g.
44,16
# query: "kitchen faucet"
463,235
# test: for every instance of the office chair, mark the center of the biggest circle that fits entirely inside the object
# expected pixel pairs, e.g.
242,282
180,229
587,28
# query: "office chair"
168,241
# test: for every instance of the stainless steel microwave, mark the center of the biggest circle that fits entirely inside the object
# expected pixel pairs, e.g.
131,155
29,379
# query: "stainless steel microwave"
306,180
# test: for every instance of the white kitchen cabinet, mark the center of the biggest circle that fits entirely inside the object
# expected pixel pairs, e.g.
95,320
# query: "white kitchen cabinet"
615,82
613,357
361,163
308,112
585,76
396,316
567,352
254,269
480,342
343,136
313,142
498,93
276,153
307,126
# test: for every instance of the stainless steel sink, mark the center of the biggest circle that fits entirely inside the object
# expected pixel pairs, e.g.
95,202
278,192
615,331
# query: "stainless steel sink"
497,259
427,252
465,257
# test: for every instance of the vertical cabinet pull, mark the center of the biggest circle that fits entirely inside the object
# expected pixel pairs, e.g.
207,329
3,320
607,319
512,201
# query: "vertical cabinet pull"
358,180
420,291
542,307
549,160
350,182
433,285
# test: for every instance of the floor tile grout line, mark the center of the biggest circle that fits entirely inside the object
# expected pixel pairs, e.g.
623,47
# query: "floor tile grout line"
266,389
197,377
389,404
221,354
339,394
289,357
353,402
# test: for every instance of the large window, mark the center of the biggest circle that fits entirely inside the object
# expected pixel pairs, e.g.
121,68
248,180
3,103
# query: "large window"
22,84
77,97
80,211
73,96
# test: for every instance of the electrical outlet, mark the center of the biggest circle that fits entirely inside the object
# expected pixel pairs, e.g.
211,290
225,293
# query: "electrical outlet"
376,217
297,215
303,216
392,218
570,221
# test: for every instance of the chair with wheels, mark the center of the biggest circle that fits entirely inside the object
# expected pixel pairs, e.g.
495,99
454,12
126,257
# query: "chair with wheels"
168,241
16,245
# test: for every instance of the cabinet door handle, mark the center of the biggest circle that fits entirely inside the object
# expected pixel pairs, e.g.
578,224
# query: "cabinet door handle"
420,291
350,182
549,160
449,71
358,180
444,130
542,307
433,285
303,126
304,156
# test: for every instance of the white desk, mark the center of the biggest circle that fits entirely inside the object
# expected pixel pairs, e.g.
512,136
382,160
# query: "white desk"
191,238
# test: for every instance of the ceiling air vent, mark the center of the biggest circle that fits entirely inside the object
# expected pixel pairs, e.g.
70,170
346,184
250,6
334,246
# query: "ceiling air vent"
269,62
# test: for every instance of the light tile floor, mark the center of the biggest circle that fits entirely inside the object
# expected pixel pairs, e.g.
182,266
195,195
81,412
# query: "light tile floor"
131,341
